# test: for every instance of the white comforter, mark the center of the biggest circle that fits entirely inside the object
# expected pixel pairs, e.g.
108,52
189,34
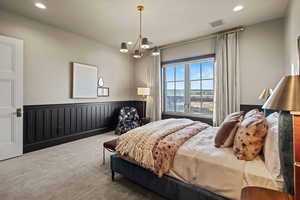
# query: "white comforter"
199,162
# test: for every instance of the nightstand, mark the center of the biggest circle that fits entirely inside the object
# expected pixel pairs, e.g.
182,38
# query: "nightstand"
256,193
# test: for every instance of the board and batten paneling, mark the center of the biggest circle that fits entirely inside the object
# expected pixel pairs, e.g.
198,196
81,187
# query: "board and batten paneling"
48,125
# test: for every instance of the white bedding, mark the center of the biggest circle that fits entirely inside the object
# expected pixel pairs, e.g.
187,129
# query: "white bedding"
200,163
256,174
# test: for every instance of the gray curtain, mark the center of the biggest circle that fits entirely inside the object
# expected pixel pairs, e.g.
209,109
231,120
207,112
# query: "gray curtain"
227,83
154,109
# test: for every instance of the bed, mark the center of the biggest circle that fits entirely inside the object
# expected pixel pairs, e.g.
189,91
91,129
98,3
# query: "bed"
199,170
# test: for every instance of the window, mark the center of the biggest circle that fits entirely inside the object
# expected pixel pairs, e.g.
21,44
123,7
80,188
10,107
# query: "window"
189,87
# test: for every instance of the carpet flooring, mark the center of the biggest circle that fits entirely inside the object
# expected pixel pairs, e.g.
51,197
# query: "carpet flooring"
71,171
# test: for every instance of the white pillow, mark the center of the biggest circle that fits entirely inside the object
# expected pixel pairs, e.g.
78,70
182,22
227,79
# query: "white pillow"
271,151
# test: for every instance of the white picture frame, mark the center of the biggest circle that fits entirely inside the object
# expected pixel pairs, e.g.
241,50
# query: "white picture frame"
103,92
84,81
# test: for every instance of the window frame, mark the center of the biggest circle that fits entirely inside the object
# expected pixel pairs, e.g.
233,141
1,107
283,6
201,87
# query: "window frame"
186,62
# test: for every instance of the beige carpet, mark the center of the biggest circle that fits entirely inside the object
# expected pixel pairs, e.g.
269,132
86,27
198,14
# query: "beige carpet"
70,171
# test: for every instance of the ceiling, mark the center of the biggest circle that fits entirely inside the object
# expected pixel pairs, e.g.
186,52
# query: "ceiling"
165,21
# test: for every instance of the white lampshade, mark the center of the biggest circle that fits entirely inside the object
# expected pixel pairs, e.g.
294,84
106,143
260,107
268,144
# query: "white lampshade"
143,91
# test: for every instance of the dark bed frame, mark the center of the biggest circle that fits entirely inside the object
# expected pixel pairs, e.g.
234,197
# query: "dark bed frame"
166,186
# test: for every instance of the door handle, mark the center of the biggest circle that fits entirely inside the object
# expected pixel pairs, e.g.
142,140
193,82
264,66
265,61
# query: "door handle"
18,112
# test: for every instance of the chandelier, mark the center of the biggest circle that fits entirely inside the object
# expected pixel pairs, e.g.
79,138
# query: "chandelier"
141,45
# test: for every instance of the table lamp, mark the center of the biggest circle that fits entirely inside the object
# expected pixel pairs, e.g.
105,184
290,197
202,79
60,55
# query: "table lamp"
286,98
143,92
265,94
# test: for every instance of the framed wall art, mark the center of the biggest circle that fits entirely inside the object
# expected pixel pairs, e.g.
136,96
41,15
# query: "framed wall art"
103,91
84,81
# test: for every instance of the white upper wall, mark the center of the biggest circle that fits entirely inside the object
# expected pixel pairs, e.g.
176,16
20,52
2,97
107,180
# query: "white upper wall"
261,58
199,48
292,33
142,73
48,52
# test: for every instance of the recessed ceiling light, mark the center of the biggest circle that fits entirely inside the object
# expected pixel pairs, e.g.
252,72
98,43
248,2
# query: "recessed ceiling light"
40,5
129,43
238,8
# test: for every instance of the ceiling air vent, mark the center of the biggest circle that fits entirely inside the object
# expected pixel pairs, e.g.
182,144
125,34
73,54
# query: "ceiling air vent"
217,23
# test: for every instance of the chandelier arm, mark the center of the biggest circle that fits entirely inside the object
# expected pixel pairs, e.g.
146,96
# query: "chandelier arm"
135,44
140,44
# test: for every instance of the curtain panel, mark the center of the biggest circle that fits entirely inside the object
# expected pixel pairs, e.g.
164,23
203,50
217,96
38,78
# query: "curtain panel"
154,101
227,82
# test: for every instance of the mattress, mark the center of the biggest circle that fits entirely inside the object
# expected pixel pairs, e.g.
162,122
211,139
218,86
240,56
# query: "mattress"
200,163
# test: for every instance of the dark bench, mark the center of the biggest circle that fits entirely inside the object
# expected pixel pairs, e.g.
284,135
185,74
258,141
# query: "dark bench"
110,146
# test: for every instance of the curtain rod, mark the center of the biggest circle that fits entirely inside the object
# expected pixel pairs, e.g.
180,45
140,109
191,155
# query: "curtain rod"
205,37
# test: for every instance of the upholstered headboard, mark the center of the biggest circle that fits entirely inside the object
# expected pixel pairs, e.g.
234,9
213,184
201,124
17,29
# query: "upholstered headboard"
286,152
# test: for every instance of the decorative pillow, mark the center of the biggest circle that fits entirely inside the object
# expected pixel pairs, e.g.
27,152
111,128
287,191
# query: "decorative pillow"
253,112
227,130
249,139
271,151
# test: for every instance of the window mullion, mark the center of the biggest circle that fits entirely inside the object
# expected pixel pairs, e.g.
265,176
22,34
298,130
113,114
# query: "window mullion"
164,89
187,89
174,89
201,91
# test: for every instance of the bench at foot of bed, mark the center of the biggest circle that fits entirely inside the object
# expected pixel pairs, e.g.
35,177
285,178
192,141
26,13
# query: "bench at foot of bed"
166,186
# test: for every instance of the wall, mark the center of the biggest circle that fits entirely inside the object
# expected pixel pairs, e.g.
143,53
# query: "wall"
261,58
292,33
203,47
142,73
48,52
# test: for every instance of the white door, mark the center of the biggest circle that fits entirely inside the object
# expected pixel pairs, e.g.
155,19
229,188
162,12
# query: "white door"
11,97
